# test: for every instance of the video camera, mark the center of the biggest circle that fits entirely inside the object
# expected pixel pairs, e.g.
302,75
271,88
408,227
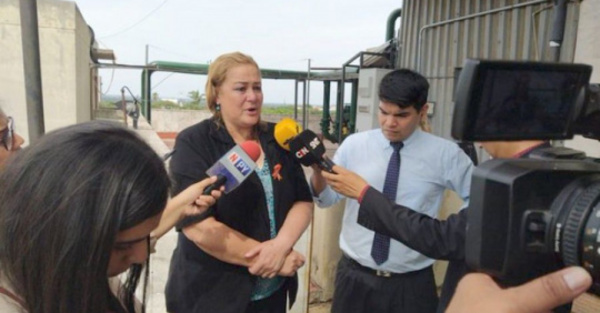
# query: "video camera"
528,217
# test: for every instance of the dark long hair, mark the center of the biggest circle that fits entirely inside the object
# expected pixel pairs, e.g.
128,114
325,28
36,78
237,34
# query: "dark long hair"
62,202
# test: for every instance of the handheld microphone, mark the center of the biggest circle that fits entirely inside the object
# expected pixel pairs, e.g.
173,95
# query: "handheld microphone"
285,130
231,170
309,150
234,167
305,145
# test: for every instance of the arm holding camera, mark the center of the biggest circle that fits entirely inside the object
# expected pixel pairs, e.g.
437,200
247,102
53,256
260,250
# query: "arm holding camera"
478,292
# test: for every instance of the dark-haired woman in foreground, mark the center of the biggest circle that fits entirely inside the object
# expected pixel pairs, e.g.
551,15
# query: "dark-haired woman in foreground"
77,208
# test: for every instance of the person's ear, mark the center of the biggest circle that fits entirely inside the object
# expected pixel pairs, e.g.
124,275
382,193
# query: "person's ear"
424,110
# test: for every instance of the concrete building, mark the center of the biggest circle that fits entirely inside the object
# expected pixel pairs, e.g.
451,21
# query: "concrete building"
65,51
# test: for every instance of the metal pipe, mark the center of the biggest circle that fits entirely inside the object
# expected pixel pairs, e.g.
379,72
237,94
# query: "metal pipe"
558,29
122,66
147,84
323,68
32,69
353,105
306,103
326,117
202,69
391,24
339,107
462,18
146,94
296,100
135,114
337,125
340,104
124,105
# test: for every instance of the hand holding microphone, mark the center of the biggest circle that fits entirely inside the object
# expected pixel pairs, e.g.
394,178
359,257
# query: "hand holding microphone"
309,150
230,170
234,167
346,182
192,201
304,145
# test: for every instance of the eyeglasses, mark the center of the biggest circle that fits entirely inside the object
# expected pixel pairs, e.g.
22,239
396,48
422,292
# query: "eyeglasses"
7,136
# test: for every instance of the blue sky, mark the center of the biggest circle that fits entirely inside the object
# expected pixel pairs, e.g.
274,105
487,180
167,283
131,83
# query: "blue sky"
278,34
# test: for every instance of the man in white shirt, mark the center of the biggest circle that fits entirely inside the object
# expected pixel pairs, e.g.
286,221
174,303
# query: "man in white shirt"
378,274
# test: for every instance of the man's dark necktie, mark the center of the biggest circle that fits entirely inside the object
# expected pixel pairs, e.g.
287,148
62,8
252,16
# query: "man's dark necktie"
381,243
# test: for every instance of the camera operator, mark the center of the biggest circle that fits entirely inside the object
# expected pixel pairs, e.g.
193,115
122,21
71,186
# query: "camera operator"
438,239
479,293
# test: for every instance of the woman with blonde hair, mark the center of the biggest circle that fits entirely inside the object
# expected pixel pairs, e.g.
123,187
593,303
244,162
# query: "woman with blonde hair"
240,258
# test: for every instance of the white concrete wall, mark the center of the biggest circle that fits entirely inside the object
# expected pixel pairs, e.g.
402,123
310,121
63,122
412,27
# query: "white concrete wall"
325,250
588,52
176,120
65,64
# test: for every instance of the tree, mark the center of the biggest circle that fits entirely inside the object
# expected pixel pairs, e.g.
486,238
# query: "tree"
195,96
197,99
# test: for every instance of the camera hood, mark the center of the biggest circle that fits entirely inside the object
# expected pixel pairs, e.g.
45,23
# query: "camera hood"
513,100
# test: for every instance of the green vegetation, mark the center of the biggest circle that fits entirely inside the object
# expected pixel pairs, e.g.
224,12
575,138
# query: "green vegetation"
169,105
106,104
287,110
197,101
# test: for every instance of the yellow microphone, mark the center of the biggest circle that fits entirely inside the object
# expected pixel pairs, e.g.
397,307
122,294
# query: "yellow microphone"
286,130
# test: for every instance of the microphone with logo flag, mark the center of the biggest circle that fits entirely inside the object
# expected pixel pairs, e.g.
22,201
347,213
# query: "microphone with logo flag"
231,170
305,145
234,167
309,150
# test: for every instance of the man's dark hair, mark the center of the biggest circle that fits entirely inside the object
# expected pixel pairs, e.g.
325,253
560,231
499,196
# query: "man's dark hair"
405,88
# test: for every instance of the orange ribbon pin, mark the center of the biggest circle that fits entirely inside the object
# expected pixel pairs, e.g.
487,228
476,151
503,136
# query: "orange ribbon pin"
276,170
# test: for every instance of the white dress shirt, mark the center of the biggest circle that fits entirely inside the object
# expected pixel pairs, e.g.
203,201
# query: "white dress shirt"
429,165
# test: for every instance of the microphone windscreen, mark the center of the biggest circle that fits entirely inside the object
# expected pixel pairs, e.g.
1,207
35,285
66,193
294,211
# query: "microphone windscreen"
251,148
285,130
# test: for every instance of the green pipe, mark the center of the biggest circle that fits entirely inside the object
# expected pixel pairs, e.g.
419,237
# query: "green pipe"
337,125
202,69
146,94
353,105
391,23
326,118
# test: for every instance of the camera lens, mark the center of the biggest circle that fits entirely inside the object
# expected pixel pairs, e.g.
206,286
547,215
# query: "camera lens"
577,229
590,246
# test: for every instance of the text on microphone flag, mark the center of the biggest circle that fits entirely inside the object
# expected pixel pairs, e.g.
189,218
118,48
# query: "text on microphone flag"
239,163
315,143
302,152
242,167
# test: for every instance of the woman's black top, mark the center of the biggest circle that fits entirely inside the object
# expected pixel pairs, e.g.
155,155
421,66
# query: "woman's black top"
197,281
